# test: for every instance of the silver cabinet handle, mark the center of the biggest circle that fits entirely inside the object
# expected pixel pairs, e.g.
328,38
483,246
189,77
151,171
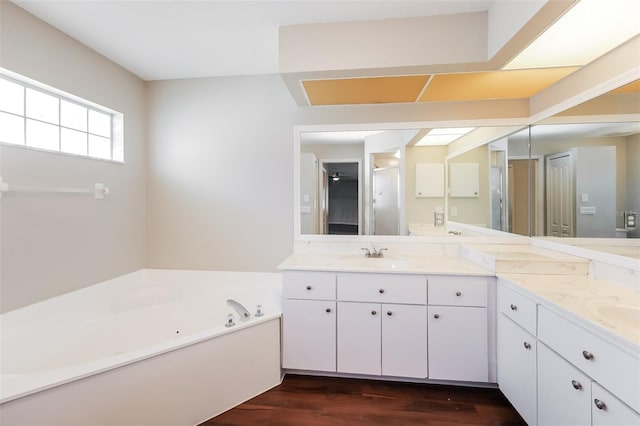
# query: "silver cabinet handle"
374,313
527,345
328,310
381,291
513,307
601,405
436,316
458,293
576,384
587,355
308,287
389,313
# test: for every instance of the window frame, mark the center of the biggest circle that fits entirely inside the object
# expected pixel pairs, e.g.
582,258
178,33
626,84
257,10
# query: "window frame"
116,120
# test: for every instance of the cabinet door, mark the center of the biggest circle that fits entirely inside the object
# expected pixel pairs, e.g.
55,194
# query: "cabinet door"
563,391
309,335
608,410
517,368
458,343
404,340
359,338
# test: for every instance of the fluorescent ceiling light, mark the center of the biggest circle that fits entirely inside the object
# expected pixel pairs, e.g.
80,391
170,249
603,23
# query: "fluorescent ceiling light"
443,136
590,29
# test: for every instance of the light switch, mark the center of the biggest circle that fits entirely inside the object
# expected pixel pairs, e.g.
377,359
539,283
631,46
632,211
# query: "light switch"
306,198
454,211
584,198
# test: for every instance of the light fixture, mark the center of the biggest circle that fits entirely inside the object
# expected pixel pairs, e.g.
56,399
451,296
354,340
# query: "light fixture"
588,30
443,136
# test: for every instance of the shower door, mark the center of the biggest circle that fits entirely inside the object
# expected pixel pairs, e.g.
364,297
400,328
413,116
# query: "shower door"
385,201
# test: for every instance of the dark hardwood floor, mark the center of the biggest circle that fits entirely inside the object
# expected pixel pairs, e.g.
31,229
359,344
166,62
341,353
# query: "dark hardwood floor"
310,400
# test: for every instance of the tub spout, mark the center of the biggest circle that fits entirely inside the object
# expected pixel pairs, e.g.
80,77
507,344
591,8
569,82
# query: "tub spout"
240,310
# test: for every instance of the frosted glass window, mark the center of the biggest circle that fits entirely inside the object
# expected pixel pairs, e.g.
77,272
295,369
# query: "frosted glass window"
34,115
99,123
43,107
11,129
99,147
73,115
11,97
43,135
73,141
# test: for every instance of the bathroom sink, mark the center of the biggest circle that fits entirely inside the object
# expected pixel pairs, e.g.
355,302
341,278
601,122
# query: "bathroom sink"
624,315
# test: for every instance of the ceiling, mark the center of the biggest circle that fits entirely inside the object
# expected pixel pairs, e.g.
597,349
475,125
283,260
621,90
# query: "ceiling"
177,39
171,39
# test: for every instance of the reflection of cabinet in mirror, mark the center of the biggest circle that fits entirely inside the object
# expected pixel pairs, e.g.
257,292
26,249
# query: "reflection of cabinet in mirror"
581,192
464,180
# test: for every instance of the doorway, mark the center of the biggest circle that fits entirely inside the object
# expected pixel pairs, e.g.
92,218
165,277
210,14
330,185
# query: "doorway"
341,197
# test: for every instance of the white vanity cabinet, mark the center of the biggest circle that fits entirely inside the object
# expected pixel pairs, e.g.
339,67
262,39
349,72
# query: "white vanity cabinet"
309,321
607,410
458,338
564,392
382,325
382,339
516,352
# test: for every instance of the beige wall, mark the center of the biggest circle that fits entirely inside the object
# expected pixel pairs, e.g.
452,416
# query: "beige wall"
52,244
474,211
220,173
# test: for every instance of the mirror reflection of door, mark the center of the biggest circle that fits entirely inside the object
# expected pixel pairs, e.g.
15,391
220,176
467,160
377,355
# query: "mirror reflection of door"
560,195
341,194
519,196
385,201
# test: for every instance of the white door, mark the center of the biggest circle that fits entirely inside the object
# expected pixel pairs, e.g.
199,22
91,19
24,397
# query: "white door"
560,189
359,338
517,368
458,343
385,201
309,335
563,391
404,340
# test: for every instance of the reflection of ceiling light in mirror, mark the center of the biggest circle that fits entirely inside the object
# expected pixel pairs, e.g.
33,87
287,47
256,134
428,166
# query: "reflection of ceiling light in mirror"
443,136
587,31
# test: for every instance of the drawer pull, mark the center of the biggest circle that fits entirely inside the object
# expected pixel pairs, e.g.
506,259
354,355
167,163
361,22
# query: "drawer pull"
458,293
309,287
576,385
513,307
601,405
328,310
436,316
389,313
381,291
527,345
587,355
374,313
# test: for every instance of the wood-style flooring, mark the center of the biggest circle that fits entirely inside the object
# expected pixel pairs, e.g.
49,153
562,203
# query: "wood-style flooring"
310,400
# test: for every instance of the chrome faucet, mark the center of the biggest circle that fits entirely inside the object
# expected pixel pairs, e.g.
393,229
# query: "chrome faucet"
240,310
455,232
373,252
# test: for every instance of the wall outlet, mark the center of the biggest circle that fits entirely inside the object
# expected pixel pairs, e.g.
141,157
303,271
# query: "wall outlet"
584,198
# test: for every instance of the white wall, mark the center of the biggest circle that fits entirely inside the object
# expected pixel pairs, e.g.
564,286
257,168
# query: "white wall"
52,244
220,173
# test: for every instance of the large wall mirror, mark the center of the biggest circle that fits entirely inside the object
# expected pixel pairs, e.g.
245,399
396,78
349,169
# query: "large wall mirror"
399,181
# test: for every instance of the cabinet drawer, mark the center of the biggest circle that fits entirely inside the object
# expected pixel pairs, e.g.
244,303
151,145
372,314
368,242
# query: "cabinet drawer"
309,285
611,366
383,288
518,307
457,291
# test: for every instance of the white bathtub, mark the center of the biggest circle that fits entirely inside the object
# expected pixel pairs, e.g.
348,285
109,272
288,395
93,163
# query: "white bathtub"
147,348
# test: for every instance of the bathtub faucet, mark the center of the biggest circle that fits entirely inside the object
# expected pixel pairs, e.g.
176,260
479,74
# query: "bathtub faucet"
241,310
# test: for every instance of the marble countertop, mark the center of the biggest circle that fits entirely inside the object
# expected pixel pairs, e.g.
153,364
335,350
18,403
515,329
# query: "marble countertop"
612,307
402,264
